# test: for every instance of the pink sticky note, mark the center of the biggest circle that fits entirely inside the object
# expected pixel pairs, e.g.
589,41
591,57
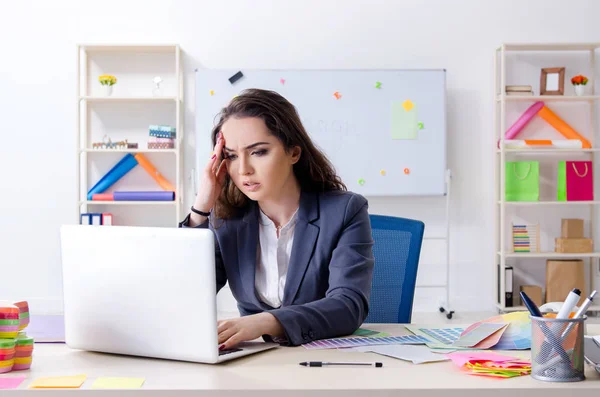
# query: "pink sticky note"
460,358
282,81
11,383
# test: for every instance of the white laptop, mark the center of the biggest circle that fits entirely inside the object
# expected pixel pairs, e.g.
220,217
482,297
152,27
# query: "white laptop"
143,291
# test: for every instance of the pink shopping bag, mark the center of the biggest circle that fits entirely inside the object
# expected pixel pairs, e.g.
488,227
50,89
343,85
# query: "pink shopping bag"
580,184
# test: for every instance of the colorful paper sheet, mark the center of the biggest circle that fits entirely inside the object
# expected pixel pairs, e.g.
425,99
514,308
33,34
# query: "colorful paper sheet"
11,383
356,342
438,338
71,382
491,364
415,354
118,383
404,121
368,333
479,333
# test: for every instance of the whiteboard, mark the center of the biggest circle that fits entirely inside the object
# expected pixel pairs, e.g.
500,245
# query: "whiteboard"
383,130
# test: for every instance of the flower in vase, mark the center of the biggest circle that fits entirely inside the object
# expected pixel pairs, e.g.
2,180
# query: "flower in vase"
107,79
579,80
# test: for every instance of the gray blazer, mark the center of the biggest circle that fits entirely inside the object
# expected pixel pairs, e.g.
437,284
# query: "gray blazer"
329,276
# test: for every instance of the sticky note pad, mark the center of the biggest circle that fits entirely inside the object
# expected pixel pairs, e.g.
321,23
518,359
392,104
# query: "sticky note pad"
55,382
118,383
11,383
404,122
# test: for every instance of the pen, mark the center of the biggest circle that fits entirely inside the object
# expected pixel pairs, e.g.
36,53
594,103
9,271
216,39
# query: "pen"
535,312
580,313
569,304
323,363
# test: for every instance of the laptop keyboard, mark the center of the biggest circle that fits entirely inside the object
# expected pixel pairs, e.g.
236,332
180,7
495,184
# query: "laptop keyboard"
228,351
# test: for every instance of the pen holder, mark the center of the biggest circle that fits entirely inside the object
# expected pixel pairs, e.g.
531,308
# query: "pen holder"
557,349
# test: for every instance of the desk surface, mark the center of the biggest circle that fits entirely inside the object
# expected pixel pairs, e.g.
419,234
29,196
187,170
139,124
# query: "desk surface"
276,372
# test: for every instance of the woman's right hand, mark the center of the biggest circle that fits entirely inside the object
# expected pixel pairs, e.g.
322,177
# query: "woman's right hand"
212,178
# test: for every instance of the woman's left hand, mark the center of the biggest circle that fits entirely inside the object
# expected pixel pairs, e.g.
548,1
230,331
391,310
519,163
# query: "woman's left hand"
237,330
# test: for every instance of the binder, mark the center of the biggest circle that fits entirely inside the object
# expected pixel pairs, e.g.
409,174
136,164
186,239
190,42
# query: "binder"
107,219
96,219
85,219
508,283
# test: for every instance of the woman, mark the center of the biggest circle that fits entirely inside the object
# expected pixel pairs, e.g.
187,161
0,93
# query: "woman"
295,247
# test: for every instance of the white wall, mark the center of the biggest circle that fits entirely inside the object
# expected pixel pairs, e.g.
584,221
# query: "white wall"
37,102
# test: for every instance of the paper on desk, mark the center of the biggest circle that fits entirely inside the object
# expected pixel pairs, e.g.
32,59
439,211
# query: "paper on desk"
118,383
72,382
491,364
416,354
481,336
597,339
461,358
368,333
11,383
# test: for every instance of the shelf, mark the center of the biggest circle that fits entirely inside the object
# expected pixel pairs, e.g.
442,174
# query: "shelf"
592,308
545,98
90,202
172,151
550,47
167,48
541,151
550,255
528,203
128,99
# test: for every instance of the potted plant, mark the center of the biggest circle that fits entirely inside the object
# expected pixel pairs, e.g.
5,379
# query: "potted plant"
579,82
107,82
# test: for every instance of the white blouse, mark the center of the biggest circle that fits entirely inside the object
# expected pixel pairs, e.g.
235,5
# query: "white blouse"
273,258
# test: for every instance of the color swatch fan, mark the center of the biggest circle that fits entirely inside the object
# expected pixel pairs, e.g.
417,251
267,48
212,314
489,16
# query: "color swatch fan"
518,334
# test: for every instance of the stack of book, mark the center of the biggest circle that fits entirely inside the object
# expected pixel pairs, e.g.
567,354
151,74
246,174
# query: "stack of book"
519,90
526,238
161,137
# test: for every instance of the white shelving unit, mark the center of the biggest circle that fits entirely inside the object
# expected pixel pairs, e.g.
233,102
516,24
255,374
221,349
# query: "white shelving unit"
533,57
127,114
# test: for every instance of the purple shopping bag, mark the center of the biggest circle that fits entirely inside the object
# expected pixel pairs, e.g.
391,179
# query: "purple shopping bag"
580,184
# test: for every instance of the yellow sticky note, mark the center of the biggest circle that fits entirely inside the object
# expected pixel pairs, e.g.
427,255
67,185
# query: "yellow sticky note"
408,105
55,382
212,92
118,383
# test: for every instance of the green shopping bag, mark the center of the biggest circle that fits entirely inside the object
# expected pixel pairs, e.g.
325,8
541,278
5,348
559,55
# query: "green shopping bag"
561,186
522,180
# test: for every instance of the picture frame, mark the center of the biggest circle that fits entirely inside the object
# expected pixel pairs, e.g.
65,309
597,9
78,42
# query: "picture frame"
552,81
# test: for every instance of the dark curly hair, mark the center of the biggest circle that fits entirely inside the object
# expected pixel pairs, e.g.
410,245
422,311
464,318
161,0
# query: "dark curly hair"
314,171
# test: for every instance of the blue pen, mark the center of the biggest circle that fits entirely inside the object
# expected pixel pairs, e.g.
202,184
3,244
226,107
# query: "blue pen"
535,312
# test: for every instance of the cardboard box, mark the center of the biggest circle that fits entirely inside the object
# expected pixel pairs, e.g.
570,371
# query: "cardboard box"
534,292
562,275
571,228
573,245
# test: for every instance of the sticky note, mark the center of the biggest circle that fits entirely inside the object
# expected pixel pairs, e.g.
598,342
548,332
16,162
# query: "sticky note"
11,383
361,181
212,92
282,81
421,126
118,383
236,77
54,382
382,172
378,84
408,105
337,95
404,122
406,171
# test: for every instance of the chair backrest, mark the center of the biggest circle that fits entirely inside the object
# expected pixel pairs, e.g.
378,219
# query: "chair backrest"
396,249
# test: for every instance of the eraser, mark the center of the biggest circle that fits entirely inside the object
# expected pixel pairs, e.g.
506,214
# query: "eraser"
236,77
11,321
9,316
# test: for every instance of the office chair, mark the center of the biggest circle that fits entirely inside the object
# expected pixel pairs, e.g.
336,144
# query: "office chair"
396,249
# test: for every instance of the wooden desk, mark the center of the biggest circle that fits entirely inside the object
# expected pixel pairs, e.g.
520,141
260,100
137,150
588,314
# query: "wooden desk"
277,373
